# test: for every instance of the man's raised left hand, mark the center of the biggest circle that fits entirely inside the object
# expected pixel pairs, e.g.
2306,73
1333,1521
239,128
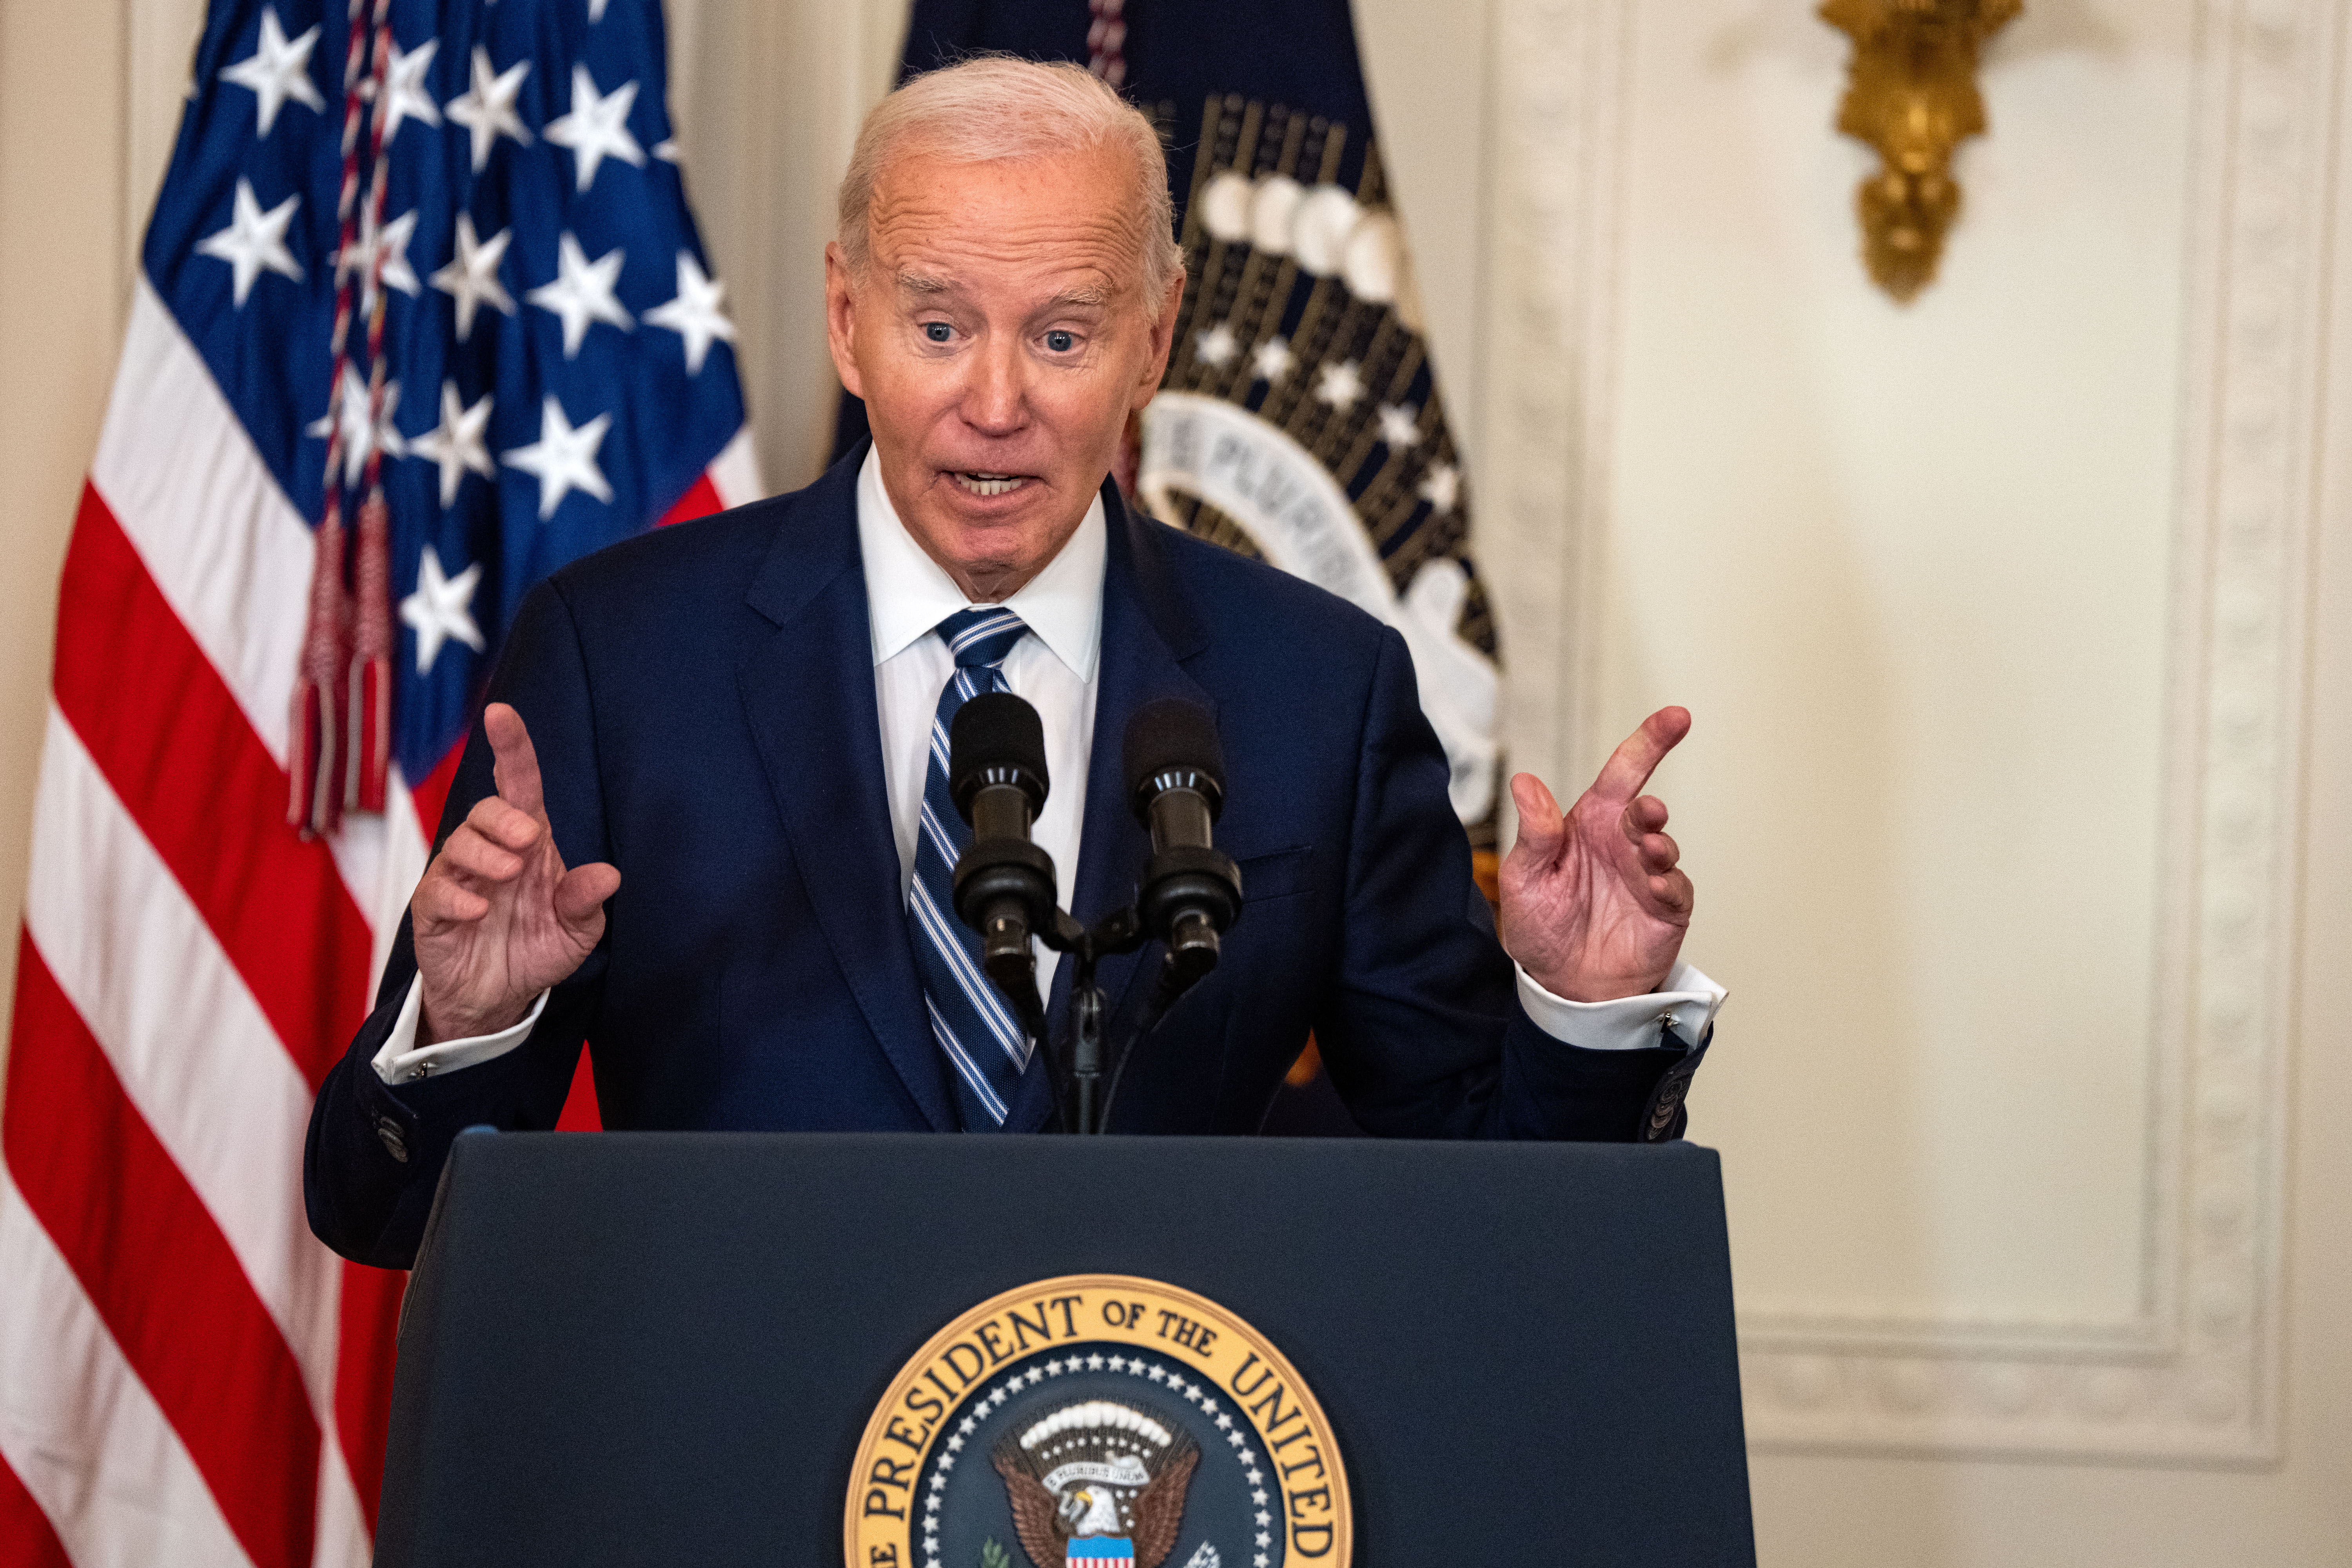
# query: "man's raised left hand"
1594,907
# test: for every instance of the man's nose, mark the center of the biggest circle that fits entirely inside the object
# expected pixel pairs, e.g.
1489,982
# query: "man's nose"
995,399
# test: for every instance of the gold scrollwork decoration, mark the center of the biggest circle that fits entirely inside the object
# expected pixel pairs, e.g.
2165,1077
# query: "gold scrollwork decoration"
1912,94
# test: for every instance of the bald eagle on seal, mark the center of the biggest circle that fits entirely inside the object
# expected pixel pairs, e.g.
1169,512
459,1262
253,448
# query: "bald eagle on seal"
1097,1468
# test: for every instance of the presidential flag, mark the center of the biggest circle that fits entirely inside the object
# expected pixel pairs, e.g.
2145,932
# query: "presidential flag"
421,316
1300,420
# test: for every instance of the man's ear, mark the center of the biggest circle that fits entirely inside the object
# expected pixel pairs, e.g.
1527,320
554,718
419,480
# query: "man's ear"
1163,337
841,320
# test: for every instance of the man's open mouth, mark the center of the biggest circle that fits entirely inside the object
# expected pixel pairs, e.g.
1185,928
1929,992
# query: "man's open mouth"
990,484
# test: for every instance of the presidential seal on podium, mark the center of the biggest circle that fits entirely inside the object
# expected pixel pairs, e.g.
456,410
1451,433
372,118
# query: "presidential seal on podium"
1097,1421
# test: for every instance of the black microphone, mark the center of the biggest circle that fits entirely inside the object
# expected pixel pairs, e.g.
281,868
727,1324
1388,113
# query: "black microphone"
1003,883
1191,892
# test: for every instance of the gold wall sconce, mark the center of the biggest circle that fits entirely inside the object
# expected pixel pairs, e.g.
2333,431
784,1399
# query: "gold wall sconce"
1912,94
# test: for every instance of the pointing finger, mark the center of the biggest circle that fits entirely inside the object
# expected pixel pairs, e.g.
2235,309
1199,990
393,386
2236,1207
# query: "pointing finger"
517,771
1631,763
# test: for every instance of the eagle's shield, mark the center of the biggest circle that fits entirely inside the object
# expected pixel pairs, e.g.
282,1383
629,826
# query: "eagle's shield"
1099,1551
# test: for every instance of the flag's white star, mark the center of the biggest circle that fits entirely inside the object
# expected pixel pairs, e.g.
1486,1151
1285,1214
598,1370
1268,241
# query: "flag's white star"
361,435
487,109
563,458
582,292
403,85
666,150
1218,346
456,444
1272,360
1400,425
471,278
1442,488
391,243
1339,385
596,11
441,609
254,242
694,315
597,127
276,70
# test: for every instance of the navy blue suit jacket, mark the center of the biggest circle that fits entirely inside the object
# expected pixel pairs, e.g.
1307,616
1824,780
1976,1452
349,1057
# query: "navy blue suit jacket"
702,702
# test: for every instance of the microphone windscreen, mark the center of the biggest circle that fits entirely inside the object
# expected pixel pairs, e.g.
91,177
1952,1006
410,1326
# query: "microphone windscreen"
994,733
1172,734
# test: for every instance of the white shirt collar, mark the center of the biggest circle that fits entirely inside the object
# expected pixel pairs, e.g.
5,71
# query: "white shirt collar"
908,593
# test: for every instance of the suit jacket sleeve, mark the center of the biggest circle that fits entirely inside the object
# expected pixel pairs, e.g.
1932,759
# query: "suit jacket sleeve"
1423,1032
374,1151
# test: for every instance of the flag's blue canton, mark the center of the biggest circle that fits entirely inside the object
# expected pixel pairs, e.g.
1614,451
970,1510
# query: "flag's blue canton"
265,126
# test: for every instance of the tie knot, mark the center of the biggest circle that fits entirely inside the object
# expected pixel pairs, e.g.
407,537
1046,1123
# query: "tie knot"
980,636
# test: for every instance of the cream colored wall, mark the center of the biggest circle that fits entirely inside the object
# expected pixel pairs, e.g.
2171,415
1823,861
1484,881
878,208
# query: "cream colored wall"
1919,573
63,278
1994,612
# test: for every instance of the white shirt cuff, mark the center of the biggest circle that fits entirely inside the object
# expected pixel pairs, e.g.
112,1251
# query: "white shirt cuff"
1687,1003
401,1061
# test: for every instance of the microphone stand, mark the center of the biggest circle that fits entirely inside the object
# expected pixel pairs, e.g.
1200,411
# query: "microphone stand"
1116,933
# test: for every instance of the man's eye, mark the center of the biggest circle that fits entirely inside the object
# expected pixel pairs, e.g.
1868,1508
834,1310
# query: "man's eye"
938,331
1060,341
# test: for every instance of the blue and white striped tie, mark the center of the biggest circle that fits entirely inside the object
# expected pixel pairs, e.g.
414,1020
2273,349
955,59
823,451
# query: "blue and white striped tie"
973,1024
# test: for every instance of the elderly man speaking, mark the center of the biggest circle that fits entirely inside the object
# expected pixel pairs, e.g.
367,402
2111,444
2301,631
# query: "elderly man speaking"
701,827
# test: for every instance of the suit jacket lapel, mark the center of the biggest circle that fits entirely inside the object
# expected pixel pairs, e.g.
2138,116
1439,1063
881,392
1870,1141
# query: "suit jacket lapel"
1148,630
808,694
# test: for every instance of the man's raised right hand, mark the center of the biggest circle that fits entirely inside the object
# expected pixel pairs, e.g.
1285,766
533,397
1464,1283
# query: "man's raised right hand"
496,919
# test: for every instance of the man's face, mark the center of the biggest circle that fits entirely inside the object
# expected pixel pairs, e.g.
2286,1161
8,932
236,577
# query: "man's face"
1000,338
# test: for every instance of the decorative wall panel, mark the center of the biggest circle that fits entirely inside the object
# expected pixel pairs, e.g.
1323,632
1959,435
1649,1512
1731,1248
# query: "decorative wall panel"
2190,1374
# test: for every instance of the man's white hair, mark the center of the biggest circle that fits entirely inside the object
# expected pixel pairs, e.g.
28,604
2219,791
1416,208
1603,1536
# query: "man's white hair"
1000,108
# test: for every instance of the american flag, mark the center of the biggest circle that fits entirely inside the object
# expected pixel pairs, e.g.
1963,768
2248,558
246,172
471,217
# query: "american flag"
422,315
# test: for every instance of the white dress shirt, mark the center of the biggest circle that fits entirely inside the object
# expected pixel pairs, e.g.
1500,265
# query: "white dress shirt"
1053,670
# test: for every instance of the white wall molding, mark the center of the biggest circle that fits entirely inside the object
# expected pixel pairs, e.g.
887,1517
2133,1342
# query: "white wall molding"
1561,78
2190,1374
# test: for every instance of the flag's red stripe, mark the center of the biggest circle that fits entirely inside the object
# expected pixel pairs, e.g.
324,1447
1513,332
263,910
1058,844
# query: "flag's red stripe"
700,501
370,1322
158,1273
164,729
27,1538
